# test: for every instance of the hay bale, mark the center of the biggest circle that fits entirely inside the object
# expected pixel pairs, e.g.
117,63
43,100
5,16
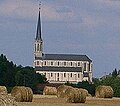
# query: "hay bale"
61,90
89,95
75,95
49,90
84,90
104,92
3,90
7,100
30,94
84,93
22,94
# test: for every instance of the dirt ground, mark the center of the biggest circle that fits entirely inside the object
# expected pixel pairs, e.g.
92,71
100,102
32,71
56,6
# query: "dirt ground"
41,100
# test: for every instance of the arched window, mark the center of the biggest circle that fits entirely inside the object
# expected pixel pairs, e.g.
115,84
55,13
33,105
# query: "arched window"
37,47
51,63
78,75
45,63
58,63
78,63
64,63
71,63
84,66
64,74
37,62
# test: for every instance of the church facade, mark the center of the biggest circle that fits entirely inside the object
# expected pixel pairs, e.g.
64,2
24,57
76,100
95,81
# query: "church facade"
60,68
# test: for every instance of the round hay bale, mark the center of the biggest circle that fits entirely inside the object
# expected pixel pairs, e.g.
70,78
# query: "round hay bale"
84,93
3,90
104,92
49,90
84,90
7,100
61,90
89,95
30,94
75,95
22,94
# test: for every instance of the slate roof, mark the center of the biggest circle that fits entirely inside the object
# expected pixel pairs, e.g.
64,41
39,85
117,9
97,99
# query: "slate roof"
59,69
68,57
38,33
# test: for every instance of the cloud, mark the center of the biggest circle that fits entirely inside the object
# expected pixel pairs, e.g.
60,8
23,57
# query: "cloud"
109,3
24,9
63,10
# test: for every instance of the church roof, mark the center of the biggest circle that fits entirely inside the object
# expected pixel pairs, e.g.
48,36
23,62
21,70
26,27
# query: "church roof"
38,33
59,69
67,57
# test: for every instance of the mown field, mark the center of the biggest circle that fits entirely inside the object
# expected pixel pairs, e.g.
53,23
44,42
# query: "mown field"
41,100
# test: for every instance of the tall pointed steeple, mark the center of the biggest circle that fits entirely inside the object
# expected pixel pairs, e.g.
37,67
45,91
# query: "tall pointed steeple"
38,33
38,45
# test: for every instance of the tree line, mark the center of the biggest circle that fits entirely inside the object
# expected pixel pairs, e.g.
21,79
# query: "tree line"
12,75
112,79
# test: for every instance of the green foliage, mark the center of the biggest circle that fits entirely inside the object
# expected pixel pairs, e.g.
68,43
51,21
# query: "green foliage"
12,75
96,82
86,85
114,83
28,77
7,72
114,73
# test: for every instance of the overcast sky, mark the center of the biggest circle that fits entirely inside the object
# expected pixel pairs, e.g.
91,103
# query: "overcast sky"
90,27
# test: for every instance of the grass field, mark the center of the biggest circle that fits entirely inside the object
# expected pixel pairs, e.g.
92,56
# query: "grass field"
41,100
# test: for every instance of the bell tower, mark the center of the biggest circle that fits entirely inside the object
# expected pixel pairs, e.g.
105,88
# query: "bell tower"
38,45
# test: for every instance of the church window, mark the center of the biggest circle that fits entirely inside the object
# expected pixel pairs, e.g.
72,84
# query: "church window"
84,66
89,67
78,75
58,63
64,74
64,63
58,74
51,74
71,63
45,63
71,74
38,47
51,63
78,63
41,47
37,62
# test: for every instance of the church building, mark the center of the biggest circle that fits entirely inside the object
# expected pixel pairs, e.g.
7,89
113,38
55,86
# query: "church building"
60,68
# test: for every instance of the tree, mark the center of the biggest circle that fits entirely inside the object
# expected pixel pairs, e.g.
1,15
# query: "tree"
118,72
28,77
7,72
114,82
114,73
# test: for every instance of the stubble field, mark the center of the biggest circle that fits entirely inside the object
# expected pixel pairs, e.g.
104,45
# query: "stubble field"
41,100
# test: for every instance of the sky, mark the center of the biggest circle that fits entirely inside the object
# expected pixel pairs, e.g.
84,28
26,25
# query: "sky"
85,27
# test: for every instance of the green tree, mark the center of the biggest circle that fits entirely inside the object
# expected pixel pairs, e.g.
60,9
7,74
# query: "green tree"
114,82
28,77
114,73
7,72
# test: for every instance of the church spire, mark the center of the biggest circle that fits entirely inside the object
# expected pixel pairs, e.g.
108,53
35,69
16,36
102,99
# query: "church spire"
38,33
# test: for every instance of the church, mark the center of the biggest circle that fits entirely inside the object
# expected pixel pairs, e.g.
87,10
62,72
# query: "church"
60,68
